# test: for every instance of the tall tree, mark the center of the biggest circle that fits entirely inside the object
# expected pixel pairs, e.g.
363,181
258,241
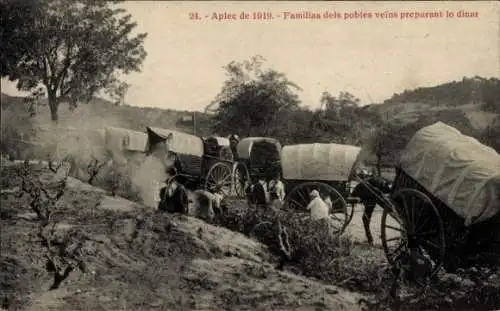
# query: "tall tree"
384,142
341,119
73,48
251,98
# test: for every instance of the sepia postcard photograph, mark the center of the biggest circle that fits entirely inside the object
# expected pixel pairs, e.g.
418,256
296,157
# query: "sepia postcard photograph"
249,155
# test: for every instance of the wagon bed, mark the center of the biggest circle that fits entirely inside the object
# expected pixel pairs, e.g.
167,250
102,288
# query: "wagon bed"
199,162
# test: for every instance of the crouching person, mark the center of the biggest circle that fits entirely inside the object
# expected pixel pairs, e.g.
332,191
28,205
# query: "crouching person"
318,208
173,198
209,204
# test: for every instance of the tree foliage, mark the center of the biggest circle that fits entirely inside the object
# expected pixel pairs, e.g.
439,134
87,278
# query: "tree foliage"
385,140
251,98
341,120
74,49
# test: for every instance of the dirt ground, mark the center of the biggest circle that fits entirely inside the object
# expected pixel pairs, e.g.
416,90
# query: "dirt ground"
139,259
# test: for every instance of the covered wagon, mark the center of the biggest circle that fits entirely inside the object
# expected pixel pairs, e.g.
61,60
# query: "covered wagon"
124,145
256,157
445,202
187,153
327,168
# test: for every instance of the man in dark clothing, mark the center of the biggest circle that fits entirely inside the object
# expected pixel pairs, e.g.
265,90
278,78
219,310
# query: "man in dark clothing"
173,198
258,193
233,143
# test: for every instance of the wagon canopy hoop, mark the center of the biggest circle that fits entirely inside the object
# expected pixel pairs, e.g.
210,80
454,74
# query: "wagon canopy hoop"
244,147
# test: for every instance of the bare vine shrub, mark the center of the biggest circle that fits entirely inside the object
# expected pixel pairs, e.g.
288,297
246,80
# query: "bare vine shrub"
63,249
93,169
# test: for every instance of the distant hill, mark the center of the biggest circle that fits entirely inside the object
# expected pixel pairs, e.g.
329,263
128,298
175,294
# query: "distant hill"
472,105
476,99
101,113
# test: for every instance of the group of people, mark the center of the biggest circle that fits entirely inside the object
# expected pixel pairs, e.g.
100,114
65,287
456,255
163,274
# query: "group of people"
173,198
272,194
265,193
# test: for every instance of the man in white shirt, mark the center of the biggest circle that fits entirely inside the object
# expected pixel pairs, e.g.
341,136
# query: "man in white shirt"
318,207
276,190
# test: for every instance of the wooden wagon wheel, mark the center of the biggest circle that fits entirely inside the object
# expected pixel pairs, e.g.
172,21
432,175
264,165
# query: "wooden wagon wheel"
298,199
219,175
417,228
241,178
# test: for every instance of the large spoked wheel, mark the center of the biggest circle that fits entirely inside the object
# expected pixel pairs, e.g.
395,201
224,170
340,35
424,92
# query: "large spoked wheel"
298,199
241,179
219,175
413,230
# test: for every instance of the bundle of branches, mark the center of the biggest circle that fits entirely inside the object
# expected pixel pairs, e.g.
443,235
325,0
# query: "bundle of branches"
295,238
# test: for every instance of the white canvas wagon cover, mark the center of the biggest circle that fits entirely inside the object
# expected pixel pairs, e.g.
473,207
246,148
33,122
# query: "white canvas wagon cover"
245,145
118,139
179,142
459,170
316,162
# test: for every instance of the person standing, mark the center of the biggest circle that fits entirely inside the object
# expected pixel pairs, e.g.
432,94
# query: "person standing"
276,190
233,144
258,192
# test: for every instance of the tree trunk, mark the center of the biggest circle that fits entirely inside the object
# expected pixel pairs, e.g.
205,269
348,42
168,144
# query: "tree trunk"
53,105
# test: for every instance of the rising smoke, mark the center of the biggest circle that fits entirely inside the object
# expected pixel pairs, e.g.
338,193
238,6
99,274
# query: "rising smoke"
147,176
80,134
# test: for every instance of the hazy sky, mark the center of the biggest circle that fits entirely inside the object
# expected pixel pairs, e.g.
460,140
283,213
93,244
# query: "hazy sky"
371,58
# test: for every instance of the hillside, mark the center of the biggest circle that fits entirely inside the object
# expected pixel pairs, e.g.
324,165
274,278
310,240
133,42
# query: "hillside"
474,99
471,102
139,259
101,113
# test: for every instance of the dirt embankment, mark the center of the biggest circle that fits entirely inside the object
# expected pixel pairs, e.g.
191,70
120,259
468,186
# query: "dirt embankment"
139,259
